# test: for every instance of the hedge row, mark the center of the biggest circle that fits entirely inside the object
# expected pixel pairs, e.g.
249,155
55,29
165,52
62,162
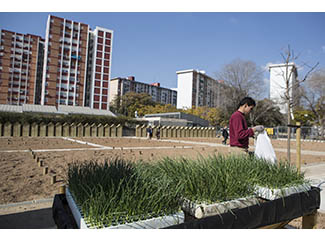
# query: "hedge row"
61,118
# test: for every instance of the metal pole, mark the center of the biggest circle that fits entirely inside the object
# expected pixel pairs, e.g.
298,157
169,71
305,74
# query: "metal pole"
298,143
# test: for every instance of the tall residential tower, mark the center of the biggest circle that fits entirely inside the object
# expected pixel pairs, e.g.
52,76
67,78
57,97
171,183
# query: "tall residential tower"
21,60
77,63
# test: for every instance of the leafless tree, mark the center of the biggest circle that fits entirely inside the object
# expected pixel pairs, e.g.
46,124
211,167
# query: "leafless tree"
288,95
313,95
241,78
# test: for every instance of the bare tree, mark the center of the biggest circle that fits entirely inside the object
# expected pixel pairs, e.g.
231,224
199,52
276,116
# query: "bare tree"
241,78
314,97
289,97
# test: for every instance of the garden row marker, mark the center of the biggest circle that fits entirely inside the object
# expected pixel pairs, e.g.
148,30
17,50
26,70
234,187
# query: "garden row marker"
62,189
298,143
53,179
45,170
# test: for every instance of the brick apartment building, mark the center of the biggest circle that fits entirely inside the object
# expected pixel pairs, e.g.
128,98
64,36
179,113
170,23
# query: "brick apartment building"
70,67
21,61
121,86
77,64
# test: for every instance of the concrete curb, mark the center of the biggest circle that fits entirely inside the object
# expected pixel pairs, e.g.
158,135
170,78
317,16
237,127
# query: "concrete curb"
10,205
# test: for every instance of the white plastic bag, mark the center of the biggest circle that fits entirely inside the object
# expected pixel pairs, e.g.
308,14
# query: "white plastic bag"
264,148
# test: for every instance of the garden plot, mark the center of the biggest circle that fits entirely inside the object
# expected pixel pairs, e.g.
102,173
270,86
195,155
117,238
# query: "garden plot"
129,142
37,143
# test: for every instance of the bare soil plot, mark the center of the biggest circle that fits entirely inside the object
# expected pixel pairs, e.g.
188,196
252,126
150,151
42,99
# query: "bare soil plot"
39,143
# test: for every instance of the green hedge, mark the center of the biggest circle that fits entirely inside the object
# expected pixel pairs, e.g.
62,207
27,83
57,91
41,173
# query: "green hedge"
71,118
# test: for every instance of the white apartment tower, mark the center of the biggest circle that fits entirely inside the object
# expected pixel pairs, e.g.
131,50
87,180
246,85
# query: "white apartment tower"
196,89
279,73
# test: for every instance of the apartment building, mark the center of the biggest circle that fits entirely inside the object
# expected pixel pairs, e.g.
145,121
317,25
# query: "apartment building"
77,64
21,61
196,89
100,57
120,86
279,73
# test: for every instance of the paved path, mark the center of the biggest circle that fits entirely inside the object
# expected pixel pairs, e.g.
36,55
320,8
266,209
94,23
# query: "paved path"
316,173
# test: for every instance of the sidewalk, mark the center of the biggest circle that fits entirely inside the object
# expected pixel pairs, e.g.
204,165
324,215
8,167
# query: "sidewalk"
27,215
316,173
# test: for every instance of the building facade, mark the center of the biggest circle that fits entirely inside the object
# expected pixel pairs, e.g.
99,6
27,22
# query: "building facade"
120,86
21,60
100,55
279,73
196,89
77,64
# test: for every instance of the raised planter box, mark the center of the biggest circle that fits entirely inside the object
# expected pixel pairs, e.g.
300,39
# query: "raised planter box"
153,223
272,194
205,210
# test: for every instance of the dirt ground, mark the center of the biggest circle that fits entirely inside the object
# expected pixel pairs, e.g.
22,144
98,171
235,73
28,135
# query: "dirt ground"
21,179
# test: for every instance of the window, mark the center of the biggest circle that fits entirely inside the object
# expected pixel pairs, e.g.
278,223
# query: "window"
100,33
106,63
98,69
99,54
100,40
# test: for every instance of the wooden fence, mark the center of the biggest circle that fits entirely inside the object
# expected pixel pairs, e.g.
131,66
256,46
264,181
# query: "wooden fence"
176,131
60,130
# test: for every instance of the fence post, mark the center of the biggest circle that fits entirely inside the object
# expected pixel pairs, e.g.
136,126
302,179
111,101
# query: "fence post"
107,130
50,129
93,130
73,130
16,129
119,130
113,130
7,128
34,130
42,129
298,143
65,130
58,130
100,130
80,130
86,130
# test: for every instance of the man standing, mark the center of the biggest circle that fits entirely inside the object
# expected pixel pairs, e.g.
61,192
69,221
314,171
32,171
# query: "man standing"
225,135
238,131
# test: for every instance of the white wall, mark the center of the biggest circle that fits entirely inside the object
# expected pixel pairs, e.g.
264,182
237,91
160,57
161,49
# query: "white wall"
184,90
278,85
113,89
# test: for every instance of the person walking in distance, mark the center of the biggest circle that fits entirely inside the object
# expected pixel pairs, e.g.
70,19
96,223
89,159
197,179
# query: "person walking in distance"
225,135
239,133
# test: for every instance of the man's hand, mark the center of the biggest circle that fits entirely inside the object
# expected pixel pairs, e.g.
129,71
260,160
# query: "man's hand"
258,128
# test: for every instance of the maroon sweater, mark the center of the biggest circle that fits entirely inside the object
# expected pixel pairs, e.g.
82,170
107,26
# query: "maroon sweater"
238,132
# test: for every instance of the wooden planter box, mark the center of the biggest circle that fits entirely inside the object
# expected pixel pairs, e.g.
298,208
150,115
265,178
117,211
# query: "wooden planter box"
152,223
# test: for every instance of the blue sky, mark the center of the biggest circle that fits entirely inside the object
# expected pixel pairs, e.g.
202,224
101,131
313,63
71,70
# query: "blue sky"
152,46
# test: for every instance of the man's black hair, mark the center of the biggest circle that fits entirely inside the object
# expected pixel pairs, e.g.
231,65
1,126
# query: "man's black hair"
247,100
